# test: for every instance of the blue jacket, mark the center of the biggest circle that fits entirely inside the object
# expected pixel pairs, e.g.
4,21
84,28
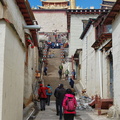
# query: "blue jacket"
47,90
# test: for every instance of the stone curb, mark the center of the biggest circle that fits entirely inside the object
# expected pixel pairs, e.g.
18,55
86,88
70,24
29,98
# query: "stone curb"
27,110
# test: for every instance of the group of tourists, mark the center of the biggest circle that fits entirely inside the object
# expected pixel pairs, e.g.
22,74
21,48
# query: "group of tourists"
65,100
65,103
44,94
51,54
60,72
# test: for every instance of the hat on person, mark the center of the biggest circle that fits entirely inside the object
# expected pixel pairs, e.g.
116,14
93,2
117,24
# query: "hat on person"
61,85
41,85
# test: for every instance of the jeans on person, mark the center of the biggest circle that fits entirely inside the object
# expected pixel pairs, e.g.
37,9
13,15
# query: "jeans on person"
57,107
45,72
48,99
42,103
61,111
69,116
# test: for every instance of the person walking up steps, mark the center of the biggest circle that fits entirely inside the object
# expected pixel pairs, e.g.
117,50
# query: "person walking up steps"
69,105
60,73
73,74
61,67
66,74
42,96
45,70
48,93
71,82
61,93
57,100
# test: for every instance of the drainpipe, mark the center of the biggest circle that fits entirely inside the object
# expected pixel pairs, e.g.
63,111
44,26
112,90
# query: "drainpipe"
72,62
100,73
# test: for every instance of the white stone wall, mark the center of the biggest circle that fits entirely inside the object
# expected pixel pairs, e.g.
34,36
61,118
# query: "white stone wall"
12,61
51,20
95,67
29,69
97,71
106,75
76,28
13,75
2,44
1,10
88,63
30,73
13,14
116,60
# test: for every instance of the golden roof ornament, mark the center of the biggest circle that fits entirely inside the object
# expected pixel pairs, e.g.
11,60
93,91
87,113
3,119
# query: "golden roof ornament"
58,4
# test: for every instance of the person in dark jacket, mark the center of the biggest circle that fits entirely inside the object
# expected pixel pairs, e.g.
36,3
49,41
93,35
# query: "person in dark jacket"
60,95
60,73
73,74
57,100
69,115
42,96
71,82
45,70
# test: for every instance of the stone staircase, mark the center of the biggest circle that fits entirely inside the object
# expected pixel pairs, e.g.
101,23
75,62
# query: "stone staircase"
53,77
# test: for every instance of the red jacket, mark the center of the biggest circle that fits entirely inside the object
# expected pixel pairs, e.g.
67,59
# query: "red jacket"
64,104
42,92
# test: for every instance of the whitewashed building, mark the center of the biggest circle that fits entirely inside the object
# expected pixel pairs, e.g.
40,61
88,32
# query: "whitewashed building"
77,20
100,57
97,72
15,54
114,19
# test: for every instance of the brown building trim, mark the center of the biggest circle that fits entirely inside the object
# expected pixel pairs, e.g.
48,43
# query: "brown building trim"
112,14
27,13
82,11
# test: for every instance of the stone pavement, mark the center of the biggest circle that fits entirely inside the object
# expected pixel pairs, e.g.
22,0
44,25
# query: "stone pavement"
50,114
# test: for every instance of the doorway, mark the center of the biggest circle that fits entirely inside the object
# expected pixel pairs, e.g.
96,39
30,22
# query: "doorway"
110,57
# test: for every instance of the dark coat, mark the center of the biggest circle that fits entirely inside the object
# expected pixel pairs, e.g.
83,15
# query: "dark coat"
61,94
71,82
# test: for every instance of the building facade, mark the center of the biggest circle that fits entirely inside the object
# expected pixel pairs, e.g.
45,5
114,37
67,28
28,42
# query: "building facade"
115,22
13,56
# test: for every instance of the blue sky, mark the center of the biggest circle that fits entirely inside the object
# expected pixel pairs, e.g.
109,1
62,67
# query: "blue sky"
80,3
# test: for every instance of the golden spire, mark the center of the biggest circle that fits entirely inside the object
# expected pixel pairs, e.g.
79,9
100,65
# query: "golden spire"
73,4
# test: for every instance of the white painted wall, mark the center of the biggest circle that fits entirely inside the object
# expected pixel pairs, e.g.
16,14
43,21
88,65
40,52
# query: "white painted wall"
116,61
88,62
29,69
12,59
76,28
1,10
106,75
13,14
51,20
12,75
2,44
95,67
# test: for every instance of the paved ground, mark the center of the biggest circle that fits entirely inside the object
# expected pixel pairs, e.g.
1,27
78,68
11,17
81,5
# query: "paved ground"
50,114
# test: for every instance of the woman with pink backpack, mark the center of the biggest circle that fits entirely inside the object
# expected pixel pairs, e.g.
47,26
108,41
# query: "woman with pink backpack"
69,105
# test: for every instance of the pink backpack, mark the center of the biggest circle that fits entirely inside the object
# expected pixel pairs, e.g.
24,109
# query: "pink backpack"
70,104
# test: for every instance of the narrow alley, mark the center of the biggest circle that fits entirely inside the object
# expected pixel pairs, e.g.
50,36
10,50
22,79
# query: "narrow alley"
49,44
52,78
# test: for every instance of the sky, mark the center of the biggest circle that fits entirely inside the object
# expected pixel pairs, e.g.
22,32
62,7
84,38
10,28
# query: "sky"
81,3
